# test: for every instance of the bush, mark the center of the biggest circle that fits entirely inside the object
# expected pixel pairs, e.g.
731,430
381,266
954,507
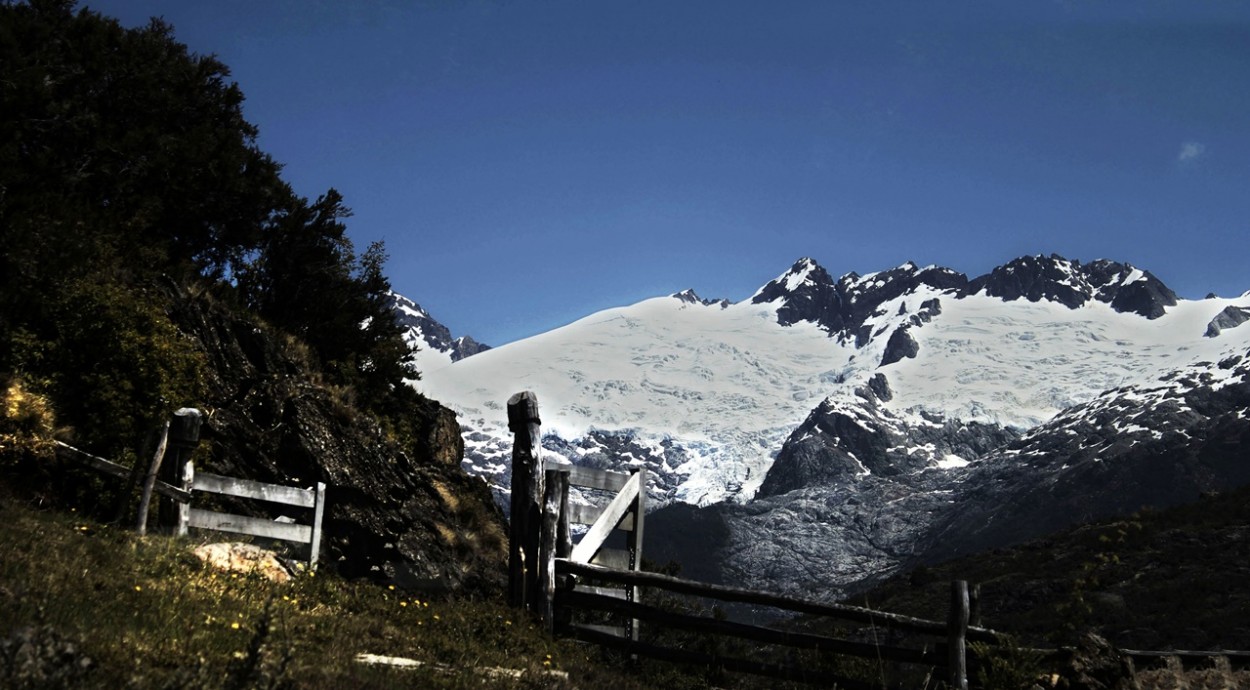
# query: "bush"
27,424
113,362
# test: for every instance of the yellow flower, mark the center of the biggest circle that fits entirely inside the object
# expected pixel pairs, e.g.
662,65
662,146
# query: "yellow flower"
391,587
234,625
138,588
507,622
403,603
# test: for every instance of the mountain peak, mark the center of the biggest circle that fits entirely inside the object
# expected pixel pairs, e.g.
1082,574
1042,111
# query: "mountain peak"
689,296
1073,284
427,334
806,292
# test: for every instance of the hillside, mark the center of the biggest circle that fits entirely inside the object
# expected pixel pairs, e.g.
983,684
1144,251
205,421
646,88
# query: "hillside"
1157,579
154,258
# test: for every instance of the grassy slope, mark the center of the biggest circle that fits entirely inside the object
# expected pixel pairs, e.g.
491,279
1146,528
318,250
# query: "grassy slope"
149,615
1178,578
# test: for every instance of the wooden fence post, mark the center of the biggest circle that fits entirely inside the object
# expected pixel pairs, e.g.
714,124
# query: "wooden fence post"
974,605
957,635
635,545
319,509
527,496
184,509
141,523
556,493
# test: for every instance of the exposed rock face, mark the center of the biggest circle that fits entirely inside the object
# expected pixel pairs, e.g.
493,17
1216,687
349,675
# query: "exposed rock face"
841,307
431,333
1072,284
691,297
1231,317
412,515
466,346
900,346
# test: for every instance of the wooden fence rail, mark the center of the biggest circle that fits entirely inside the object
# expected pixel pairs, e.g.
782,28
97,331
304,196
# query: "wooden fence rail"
189,516
548,575
937,656
313,497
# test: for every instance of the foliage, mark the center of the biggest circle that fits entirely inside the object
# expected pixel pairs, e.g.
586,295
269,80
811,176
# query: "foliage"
1007,666
113,360
127,173
307,279
27,424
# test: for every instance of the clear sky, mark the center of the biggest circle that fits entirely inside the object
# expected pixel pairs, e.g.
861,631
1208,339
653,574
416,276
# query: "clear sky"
529,162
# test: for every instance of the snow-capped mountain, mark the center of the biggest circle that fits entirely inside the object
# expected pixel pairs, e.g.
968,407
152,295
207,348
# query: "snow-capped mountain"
430,340
825,432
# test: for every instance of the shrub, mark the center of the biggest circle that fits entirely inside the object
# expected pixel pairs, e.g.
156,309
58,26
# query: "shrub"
27,424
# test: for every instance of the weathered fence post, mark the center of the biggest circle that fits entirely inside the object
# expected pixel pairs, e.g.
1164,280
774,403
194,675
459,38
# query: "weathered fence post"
974,605
527,495
319,509
957,635
184,436
635,546
554,500
149,482
184,509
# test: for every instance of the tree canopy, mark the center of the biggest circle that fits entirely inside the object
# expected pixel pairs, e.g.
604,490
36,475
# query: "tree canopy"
125,160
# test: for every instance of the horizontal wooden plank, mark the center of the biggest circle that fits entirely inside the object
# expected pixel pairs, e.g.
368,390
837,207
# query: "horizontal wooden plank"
601,591
257,527
855,614
246,488
613,630
690,656
590,477
121,472
612,558
580,514
654,616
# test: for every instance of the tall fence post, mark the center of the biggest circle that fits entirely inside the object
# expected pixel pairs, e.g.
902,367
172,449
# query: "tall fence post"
957,635
319,509
556,495
527,496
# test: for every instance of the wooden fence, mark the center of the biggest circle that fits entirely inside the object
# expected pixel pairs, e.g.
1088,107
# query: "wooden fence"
550,577
313,497
191,483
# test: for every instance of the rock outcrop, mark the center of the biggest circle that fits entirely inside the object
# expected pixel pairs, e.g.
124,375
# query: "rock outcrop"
404,512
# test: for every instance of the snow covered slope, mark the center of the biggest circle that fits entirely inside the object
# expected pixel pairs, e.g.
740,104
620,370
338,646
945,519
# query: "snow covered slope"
705,393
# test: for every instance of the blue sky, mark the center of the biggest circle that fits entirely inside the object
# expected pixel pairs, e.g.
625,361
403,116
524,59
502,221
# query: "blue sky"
531,162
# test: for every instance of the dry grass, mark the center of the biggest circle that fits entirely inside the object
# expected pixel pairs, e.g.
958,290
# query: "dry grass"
149,615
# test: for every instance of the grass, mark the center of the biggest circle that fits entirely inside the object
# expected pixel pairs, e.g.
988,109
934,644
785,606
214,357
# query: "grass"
148,615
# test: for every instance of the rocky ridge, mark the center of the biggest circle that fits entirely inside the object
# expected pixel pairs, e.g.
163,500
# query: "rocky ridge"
914,399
